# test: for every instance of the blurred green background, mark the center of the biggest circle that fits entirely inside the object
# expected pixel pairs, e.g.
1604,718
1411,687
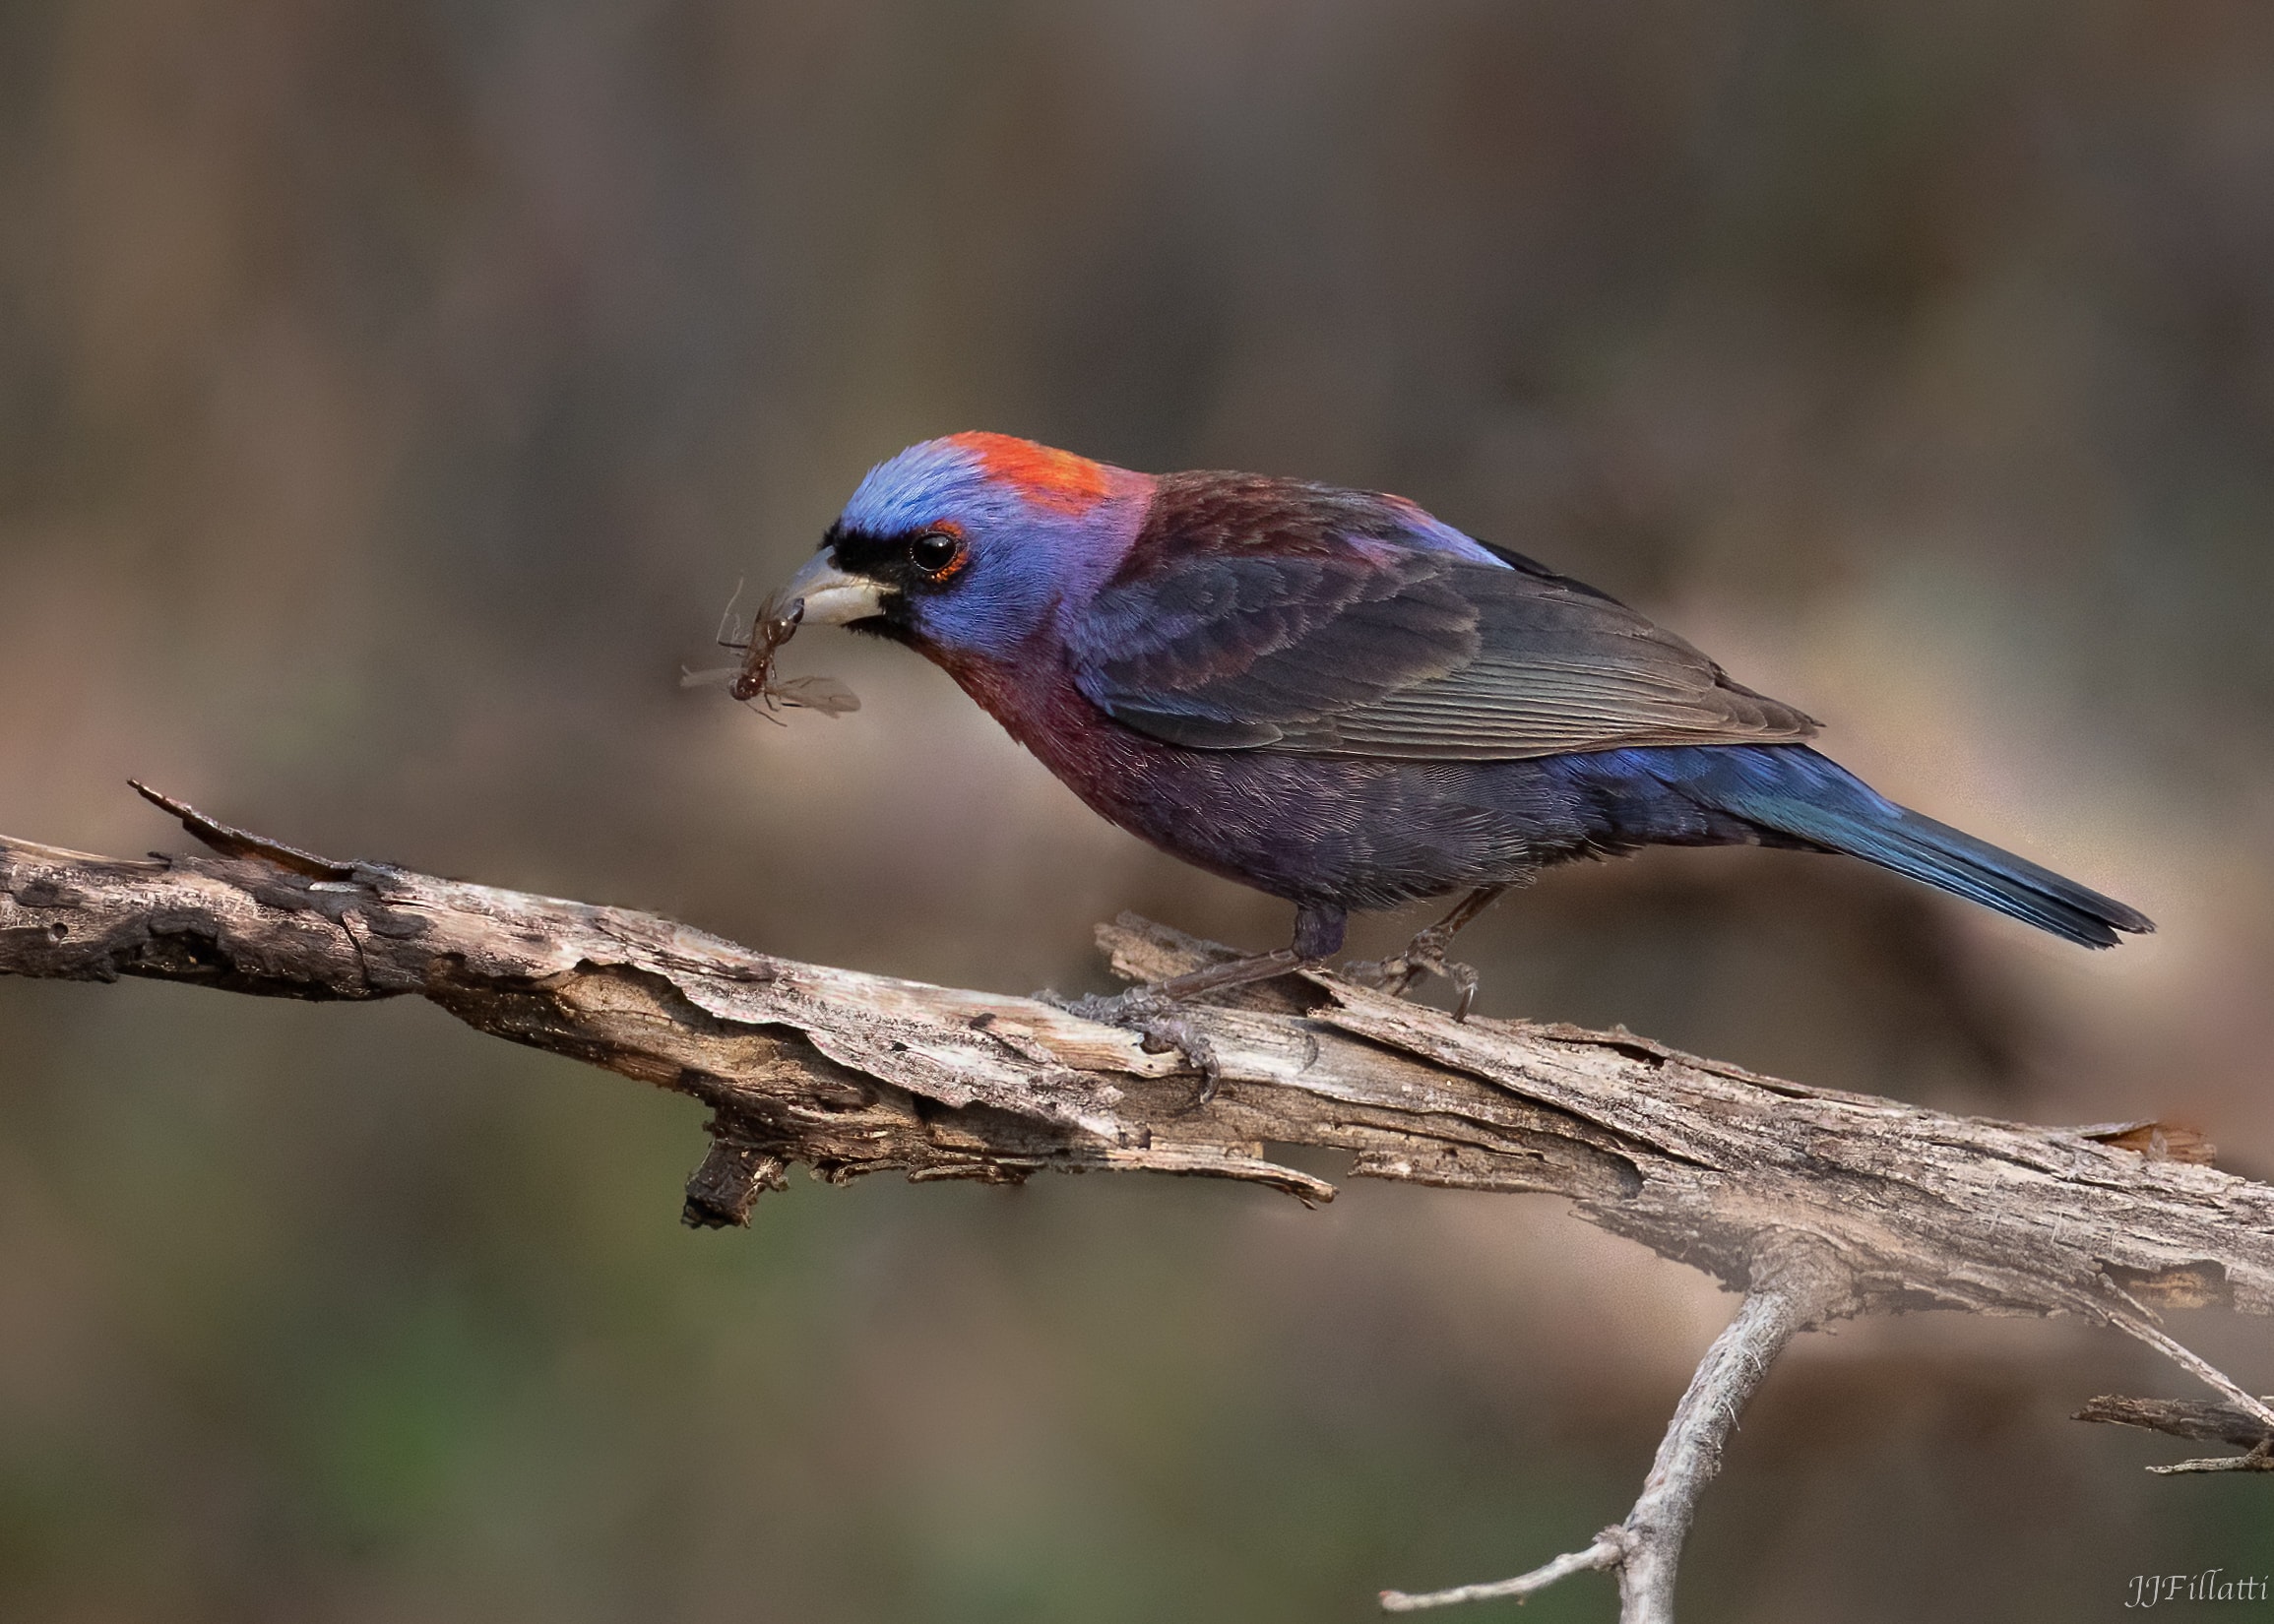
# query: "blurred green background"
393,393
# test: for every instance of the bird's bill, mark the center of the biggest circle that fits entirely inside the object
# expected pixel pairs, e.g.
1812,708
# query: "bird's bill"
831,596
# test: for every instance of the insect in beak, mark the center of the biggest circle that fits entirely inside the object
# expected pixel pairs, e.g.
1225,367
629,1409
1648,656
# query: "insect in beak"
779,618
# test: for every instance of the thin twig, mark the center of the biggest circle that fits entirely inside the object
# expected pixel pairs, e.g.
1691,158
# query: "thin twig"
1608,1549
2256,1461
1796,1283
2132,1323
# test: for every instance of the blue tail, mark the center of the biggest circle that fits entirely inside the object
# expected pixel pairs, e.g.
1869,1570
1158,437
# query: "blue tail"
1789,790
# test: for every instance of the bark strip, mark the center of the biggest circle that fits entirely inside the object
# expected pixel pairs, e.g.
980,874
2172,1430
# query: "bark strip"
1891,1205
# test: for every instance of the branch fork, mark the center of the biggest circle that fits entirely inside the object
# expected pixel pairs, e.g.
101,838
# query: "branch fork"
1813,1202
1796,1283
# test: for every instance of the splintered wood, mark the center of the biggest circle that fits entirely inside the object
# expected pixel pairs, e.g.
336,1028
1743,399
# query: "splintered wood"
1815,1203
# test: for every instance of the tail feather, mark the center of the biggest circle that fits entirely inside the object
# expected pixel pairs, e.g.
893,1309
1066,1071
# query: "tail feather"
1797,793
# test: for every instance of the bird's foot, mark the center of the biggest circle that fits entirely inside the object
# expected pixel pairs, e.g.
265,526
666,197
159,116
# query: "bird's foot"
1160,1025
1424,954
1158,1012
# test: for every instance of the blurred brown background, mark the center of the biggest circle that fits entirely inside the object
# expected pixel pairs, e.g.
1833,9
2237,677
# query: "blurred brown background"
390,395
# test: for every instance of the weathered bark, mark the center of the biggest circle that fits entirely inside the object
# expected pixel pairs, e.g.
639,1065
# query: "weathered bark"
2197,1418
1898,1207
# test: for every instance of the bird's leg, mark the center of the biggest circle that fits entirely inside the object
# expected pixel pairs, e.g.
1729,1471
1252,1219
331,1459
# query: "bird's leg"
1319,936
1155,1012
1424,954
1232,972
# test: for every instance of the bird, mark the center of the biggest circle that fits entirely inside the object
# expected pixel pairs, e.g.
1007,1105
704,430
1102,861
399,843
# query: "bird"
1336,698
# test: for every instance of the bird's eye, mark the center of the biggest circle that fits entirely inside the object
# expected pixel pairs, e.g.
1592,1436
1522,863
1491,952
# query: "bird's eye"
936,553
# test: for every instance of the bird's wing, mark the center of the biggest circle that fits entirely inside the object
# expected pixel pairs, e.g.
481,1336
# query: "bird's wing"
1363,647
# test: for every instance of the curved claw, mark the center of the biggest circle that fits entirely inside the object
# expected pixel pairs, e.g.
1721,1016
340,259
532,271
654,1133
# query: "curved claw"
1171,1030
1463,980
1159,1023
1424,954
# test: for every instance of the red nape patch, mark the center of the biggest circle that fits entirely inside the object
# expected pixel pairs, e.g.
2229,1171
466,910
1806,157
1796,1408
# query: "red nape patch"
1055,478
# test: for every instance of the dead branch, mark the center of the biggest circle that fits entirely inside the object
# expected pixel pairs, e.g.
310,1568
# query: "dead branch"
1815,1203
1796,1284
2196,1418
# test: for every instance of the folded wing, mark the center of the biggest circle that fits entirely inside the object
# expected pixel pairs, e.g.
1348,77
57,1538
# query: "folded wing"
1278,634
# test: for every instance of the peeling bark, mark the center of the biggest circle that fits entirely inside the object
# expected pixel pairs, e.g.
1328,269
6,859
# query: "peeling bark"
1896,1206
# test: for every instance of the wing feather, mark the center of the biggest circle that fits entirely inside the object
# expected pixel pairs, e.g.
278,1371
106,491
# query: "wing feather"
1347,646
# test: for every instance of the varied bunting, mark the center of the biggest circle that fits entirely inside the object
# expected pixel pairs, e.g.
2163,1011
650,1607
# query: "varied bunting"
1338,698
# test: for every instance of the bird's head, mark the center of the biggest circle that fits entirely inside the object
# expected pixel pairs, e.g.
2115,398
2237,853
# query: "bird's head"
968,545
